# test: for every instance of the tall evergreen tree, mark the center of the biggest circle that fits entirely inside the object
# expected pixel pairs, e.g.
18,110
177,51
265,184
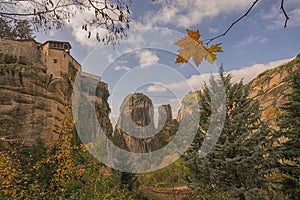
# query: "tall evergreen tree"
290,130
241,159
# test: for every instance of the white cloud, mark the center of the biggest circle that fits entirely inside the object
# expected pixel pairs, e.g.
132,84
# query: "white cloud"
188,13
196,82
193,83
147,57
251,40
156,88
249,73
213,30
110,58
119,68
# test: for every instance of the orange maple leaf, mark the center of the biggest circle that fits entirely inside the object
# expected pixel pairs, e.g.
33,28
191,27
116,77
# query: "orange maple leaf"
192,47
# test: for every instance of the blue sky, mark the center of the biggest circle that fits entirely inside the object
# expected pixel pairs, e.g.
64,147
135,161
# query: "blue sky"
256,43
258,38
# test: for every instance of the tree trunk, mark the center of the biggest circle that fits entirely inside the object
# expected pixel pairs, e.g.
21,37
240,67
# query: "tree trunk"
242,197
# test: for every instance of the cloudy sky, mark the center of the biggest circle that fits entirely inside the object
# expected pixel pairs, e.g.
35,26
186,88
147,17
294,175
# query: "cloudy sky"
144,62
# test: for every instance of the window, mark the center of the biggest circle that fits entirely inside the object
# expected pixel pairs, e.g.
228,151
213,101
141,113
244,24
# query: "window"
54,60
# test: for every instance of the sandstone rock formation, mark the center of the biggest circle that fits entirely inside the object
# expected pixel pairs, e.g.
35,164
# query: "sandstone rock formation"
270,88
135,123
164,115
135,130
34,97
33,101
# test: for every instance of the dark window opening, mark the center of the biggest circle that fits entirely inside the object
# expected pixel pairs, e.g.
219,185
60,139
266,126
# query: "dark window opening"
54,60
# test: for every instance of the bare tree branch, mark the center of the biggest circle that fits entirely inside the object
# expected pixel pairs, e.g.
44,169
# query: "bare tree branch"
286,16
236,21
243,16
47,14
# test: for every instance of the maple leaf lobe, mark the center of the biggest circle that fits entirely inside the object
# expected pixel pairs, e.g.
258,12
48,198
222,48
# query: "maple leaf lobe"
195,35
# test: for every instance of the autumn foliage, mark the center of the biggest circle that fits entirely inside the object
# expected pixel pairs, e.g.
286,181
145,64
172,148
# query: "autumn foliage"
62,171
192,47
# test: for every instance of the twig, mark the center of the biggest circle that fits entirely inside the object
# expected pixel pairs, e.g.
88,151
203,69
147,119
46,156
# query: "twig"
239,19
236,21
286,16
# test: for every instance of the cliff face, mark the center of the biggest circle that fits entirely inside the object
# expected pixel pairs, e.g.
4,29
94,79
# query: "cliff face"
32,102
270,88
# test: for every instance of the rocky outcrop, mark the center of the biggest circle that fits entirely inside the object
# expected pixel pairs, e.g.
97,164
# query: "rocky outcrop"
164,115
33,103
270,88
167,126
189,105
135,123
135,130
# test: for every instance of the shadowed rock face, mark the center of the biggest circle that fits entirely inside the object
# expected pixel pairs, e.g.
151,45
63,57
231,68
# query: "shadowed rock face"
135,130
164,115
137,115
135,123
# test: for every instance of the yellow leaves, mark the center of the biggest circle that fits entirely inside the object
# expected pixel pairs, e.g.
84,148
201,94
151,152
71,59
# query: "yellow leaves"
211,52
192,47
7,174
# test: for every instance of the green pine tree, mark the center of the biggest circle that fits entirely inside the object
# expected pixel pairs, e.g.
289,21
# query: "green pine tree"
242,157
290,130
